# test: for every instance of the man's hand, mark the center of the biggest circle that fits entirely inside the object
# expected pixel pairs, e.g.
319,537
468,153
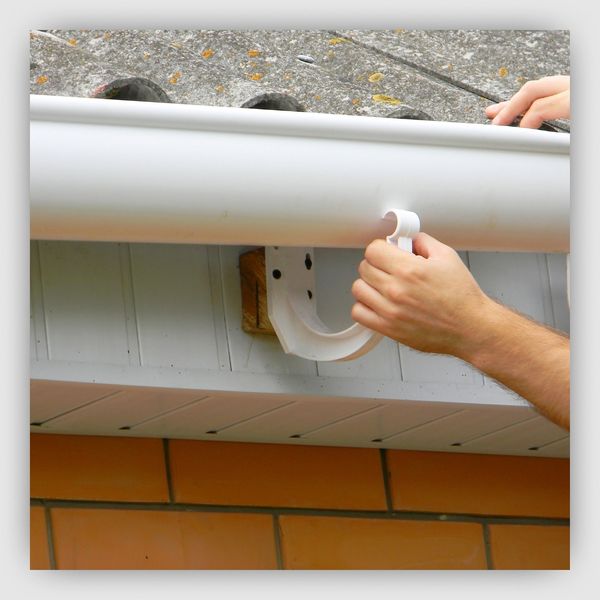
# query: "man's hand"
428,301
537,101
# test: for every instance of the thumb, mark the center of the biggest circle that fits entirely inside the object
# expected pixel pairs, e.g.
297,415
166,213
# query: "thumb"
428,247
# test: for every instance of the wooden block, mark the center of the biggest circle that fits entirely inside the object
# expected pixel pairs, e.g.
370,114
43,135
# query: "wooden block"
255,317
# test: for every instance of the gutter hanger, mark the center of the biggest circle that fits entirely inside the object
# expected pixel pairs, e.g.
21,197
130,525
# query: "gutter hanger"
149,172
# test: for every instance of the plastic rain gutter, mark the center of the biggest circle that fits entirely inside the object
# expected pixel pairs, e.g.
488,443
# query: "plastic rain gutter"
102,170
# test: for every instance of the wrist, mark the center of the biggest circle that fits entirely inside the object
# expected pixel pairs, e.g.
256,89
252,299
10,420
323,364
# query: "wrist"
488,328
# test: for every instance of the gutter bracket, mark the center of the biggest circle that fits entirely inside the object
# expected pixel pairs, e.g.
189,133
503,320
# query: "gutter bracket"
292,301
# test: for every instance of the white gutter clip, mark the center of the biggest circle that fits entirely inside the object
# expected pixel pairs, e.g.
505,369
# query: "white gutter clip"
291,300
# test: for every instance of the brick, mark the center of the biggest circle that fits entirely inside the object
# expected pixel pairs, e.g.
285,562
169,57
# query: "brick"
349,543
479,484
97,468
276,475
39,557
150,539
529,546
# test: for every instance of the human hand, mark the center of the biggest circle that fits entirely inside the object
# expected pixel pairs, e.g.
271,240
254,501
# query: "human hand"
544,99
428,300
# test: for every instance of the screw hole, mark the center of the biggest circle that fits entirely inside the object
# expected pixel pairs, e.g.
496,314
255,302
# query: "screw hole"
212,431
296,435
309,294
308,262
533,448
276,274
35,424
456,444
377,440
126,427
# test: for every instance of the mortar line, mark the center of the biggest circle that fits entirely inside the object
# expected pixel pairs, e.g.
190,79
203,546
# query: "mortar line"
166,455
487,546
324,512
50,537
277,537
386,479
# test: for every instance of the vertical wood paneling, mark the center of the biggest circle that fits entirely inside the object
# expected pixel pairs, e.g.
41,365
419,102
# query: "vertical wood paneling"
557,273
173,303
133,341
37,320
252,352
519,280
83,302
216,290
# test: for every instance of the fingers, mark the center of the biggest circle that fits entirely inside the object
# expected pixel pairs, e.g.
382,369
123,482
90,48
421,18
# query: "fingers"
372,275
552,107
427,247
527,95
367,318
371,298
386,257
492,110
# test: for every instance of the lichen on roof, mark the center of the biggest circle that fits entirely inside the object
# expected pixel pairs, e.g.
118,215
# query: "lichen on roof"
447,75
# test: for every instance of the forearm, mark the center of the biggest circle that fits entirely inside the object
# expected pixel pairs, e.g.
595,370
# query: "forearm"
525,356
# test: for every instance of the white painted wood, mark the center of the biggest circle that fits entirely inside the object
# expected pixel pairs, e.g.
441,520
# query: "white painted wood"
295,419
519,280
173,301
83,302
133,341
218,310
458,428
380,422
274,383
38,338
49,399
422,367
557,273
518,438
252,352
213,413
124,409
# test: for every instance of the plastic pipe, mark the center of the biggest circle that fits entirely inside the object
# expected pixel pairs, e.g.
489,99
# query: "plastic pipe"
150,172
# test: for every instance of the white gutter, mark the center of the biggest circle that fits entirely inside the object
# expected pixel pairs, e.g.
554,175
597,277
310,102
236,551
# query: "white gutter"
147,172
150,172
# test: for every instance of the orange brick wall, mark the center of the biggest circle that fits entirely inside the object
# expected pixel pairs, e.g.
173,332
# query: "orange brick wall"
132,503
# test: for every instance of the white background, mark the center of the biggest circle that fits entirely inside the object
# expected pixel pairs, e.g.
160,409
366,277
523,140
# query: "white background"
577,16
